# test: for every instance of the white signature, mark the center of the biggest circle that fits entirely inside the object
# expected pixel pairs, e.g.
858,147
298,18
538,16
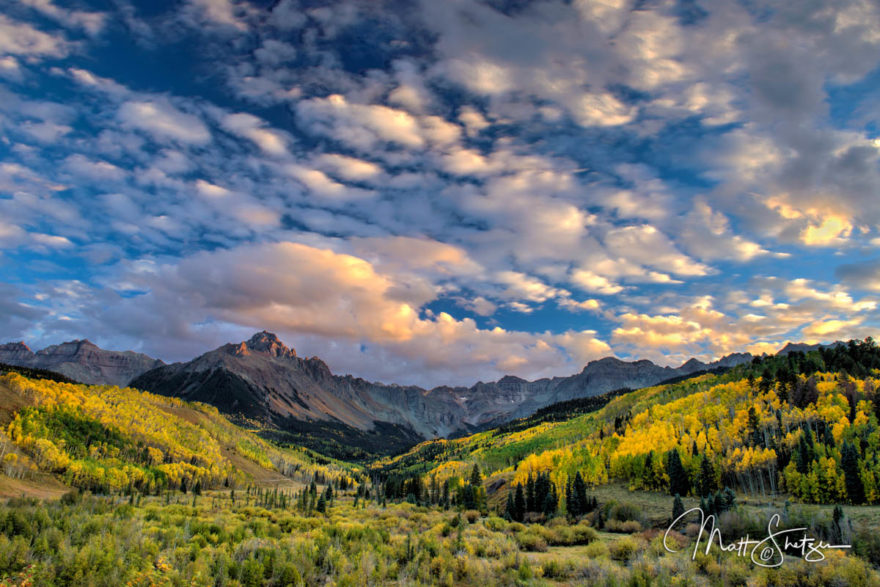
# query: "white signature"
768,552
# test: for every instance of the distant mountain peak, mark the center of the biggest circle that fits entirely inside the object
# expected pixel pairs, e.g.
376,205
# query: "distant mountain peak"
71,347
19,346
263,342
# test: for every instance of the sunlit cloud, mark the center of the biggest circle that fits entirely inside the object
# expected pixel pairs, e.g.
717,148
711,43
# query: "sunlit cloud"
452,192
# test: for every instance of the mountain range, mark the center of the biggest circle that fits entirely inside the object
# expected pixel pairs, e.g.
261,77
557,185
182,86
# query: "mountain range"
82,361
300,399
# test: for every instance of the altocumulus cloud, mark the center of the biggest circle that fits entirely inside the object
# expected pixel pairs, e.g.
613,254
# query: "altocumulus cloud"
442,194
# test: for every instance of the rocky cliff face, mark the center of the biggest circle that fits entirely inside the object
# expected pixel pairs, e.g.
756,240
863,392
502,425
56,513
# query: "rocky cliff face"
261,378
82,361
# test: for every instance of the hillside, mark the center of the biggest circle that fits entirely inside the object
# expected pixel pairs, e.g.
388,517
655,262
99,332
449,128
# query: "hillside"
108,439
803,424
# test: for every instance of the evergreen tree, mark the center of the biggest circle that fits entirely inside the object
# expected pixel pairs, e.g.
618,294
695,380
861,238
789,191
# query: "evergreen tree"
804,455
579,505
677,507
649,469
855,489
476,476
519,504
725,499
183,485
510,510
531,505
321,506
549,503
678,477
755,435
707,477
197,488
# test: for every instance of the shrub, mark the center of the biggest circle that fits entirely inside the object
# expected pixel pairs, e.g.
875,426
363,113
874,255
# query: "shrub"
631,527
622,512
553,569
496,524
531,542
471,516
72,497
597,549
866,544
627,527
624,550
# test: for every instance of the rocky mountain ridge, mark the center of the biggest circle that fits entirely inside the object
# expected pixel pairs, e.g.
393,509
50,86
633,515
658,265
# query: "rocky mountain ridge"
81,360
263,379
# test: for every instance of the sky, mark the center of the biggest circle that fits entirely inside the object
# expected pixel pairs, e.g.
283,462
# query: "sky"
441,192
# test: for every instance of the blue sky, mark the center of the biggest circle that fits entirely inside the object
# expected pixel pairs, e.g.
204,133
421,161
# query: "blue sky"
441,192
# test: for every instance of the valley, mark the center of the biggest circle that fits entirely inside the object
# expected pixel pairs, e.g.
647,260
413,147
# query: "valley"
218,502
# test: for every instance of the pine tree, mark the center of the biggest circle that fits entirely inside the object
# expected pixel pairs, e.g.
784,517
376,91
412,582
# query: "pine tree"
549,504
519,504
725,499
855,489
649,469
197,488
510,510
183,485
756,437
579,505
678,477
476,477
677,507
707,477
321,507
531,504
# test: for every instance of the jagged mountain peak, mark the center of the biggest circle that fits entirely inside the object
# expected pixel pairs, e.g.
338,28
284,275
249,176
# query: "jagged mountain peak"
70,347
18,346
263,342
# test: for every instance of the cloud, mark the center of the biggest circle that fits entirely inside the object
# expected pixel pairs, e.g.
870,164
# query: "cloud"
707,235
349,168
19,38
359,125
96,170
590,281
594,163
824,330
248,126
864,275
322,295
10,69
16,315
91,22
162,120
219,12
646,245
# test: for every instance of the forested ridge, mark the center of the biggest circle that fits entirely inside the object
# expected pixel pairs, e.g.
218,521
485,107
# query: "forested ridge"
804,424
107,439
